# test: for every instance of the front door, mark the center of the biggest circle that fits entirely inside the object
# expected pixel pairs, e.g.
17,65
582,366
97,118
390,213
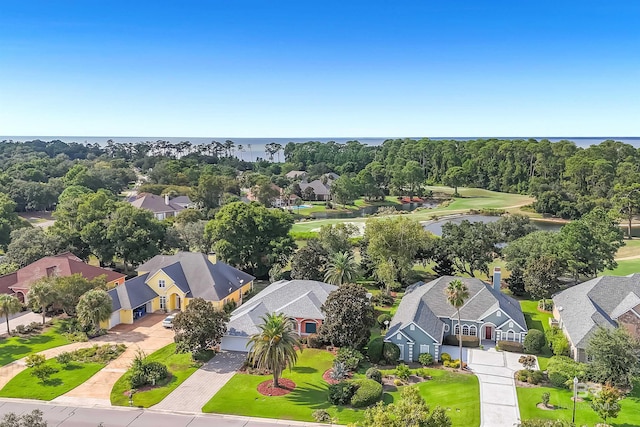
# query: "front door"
178,303
401,347
488,332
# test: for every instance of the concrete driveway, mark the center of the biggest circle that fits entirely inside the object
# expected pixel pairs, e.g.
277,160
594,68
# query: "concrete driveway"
203,384
498,398
147,334
22,318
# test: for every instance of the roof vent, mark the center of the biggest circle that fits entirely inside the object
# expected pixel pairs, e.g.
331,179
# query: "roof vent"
560,308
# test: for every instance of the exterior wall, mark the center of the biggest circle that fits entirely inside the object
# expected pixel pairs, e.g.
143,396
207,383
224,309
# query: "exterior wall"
420,339
114,283
126,316
401,341
155,304
154,280
454,322
631,322
495,318
301,322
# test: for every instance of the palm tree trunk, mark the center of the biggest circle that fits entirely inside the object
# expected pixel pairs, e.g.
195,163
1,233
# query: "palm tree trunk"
275,379
460,339
43,314
6,316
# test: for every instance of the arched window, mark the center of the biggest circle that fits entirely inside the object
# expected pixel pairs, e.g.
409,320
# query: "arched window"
511,335
446,327
465,330
473,330
456,330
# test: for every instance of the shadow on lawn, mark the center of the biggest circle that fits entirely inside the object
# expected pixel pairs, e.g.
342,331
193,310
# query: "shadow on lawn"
72,367
52,382
304,370
310,395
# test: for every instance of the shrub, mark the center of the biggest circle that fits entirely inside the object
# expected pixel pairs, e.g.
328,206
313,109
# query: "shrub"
397,382
546,396
339,371
534,341
545,304
445,357
77,336
137,379
384,318
64,358
155,371
350,357
341,393
35,326
528,362
229,306
454,364
313,341
43,372
535,377
382,299
522,375
374,349
425,359
402,371
374,374
467,341
390,352
35,360
558,379
561,370
321,416
367,393
144,372
423,373
557,341
512,346
20,329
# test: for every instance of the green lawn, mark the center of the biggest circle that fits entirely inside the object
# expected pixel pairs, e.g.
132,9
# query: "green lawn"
528,398
240,396
14,348
630,248
537,320
473,198
624,268
180,366
458,394
25,386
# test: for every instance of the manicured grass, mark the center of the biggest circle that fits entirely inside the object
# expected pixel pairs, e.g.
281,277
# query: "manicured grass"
624,268
180,366
240,396
458,394
26,386
14,348
528,398
537,320
473,198
630,248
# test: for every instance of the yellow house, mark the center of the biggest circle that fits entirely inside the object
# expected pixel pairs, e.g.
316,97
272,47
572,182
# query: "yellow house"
168,282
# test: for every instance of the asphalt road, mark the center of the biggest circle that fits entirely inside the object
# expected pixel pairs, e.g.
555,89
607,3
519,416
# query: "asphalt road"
68,416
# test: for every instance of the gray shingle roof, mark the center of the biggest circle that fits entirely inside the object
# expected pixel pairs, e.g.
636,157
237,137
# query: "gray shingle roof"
424,303
598,302
295,298
155,204
212,282
132,294
318,187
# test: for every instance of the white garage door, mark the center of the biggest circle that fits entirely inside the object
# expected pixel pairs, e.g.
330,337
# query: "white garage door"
115,319
234,344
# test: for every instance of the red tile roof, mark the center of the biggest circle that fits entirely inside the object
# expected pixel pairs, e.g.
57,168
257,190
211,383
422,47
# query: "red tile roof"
63,265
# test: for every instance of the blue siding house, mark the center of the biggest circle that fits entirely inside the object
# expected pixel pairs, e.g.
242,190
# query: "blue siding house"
425,317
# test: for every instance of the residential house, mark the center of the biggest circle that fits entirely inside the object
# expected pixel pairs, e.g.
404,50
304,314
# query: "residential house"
62,265
299,299
183,201
170,282
321,187
162,207
425,317
607,302
279,202
296,174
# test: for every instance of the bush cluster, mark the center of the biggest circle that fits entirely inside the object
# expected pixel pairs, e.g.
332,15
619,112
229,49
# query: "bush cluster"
445,357
367,393
28,329
425,359
77,336
557,341
145,372
350,357
402,371
390,353
384,318
374,374
314,341
341,393
512,346
321,416
382,299
99,354
467,340
374,349
451,363
561,370
534,342
531,377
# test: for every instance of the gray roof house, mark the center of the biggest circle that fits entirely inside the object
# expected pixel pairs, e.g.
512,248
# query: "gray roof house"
320,191
298,299
162,207
607,301
425,317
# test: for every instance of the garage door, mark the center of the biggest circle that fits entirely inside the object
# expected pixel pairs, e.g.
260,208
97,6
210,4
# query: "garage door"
234,344
114,319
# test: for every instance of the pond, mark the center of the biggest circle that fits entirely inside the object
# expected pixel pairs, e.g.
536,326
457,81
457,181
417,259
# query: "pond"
370,210
435,227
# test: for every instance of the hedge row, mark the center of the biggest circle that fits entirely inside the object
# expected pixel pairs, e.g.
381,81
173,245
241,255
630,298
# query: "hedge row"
512,346
467,340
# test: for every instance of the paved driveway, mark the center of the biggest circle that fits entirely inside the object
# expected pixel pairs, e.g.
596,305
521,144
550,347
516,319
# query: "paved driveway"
147,335
498,399
23,318
191,395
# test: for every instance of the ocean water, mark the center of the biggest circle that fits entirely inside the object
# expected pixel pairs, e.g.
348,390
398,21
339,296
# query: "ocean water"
255,147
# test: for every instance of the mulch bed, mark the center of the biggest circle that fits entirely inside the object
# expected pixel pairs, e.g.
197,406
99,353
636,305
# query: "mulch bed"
286,386
327,377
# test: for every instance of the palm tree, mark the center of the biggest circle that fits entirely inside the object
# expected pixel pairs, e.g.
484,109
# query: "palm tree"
94,307
457,293
8,306
41,295
275,346
342,269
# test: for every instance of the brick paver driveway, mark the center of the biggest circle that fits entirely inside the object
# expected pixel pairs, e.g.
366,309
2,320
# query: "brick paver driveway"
146,334
191,395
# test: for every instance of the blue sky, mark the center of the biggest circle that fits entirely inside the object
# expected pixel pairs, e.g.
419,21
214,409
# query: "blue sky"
320,68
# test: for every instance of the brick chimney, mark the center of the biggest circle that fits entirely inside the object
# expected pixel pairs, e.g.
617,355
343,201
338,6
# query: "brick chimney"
497,278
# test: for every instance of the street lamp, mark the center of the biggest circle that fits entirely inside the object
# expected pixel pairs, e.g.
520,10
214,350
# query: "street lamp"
386,325
575,397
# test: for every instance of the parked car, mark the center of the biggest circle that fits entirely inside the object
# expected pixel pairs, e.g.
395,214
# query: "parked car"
168,321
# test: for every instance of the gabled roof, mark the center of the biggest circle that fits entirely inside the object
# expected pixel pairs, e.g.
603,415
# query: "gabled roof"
181,201
295,298
132,294
318,187
62,265
598,302
156,204
426,303
295,174
196,274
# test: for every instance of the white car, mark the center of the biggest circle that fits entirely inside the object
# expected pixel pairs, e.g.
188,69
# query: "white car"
168,321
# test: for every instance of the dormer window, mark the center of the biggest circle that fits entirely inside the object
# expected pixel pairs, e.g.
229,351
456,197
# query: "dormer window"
161,283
